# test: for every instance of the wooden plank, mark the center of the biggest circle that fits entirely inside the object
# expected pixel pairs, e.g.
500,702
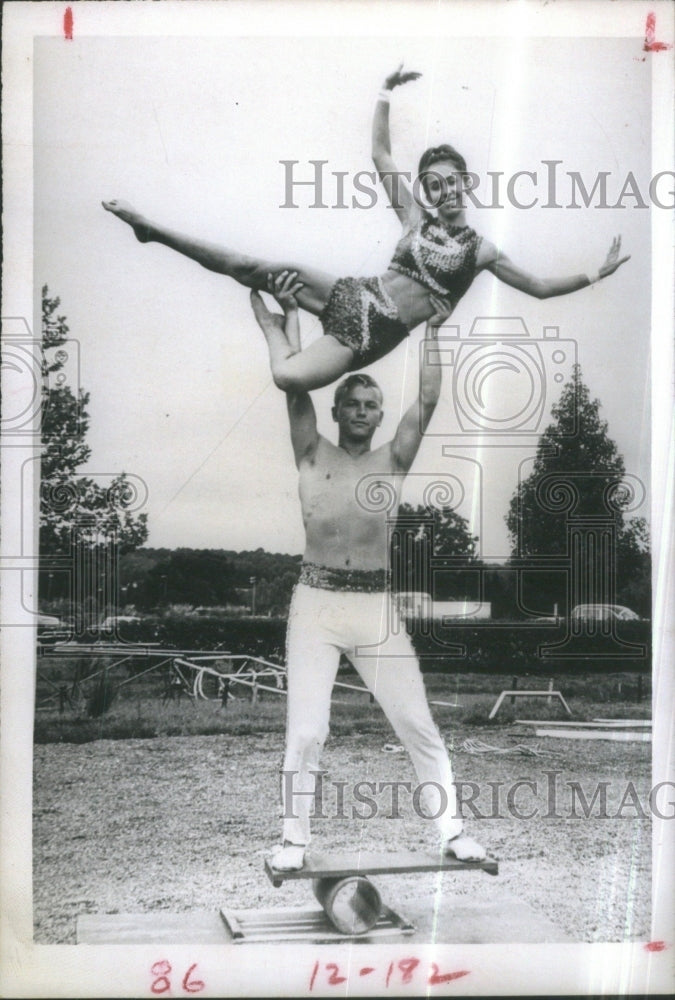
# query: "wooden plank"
594,734
192,927
376,863
596,724
627,722
292,924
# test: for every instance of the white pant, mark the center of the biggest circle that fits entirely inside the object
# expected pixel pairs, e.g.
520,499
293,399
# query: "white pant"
323,624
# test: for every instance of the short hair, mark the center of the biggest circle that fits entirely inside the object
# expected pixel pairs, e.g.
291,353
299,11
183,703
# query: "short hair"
438,154
360,378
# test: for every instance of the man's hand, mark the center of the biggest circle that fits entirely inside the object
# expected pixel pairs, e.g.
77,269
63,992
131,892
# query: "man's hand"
443,309
265,318
398,78
612,261
284,287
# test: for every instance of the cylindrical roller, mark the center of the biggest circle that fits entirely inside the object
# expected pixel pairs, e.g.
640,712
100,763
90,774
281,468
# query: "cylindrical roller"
352,904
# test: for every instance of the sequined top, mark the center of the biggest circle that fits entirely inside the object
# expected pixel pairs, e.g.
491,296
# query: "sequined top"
364,581
442,258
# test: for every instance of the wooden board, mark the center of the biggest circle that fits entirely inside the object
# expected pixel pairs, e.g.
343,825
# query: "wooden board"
291,924
596,724
376,863
452,919
595,734
619,723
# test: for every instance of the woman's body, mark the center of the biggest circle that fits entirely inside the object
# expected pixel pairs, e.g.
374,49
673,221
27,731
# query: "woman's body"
363,319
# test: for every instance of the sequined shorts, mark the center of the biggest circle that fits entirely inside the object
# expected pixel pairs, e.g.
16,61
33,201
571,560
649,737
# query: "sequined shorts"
362,315
364,581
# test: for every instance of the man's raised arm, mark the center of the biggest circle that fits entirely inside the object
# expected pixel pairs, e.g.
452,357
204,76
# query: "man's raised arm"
416,419
282,333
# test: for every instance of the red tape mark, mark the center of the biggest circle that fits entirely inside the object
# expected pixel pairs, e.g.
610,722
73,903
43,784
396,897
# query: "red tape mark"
656,946
651,45
68,24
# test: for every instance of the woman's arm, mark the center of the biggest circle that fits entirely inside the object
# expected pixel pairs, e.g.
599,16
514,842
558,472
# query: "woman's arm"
546,288
398,190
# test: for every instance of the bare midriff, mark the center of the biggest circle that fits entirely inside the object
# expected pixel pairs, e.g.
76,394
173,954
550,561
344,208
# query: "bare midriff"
412,299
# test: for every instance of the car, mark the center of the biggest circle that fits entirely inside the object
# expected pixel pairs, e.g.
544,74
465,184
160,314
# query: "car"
51,629
112,621
603,613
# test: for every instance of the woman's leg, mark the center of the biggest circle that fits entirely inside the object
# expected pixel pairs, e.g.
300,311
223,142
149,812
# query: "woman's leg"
249,271
295,370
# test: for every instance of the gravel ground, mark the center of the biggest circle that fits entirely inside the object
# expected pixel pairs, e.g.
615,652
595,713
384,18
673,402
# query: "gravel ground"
183,823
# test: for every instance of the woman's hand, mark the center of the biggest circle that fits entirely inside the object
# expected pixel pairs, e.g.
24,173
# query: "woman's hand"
284,287
443,309
612,261
397,79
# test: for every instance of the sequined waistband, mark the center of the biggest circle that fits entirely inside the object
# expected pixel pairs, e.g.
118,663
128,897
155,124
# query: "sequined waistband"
365,581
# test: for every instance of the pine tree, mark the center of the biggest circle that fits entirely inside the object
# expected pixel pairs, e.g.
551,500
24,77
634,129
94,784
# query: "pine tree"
576,467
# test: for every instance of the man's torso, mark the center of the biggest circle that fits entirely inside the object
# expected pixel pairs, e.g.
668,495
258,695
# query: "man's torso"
345,509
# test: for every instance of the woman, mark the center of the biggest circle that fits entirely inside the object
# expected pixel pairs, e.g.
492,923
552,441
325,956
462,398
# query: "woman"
365,318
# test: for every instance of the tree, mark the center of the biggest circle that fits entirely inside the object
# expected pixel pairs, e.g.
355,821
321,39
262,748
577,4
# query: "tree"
191,576
421,538
578,474
76,512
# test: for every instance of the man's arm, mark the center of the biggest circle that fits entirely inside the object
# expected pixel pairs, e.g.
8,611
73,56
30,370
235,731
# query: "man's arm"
415,421
302,420
286,329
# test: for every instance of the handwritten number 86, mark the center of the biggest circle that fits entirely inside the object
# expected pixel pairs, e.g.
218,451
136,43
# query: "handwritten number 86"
162,984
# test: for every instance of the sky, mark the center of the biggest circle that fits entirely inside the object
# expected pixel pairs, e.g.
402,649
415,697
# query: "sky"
191,130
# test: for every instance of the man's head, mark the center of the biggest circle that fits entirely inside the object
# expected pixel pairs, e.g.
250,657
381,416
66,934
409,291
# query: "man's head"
357,407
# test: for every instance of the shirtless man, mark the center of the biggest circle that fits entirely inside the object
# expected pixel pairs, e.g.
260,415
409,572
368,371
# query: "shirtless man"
341,603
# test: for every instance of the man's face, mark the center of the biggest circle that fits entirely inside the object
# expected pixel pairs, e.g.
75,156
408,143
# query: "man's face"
359,413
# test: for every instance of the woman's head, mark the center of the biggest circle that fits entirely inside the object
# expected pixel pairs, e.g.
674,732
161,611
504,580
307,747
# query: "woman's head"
436,168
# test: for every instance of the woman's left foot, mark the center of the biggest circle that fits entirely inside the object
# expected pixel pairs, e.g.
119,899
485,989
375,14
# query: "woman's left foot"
464,848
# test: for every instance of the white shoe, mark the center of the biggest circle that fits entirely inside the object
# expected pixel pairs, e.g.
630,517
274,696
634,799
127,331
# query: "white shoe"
464,848
288,857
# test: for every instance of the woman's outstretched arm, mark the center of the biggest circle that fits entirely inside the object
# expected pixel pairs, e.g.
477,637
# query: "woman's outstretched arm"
546,288
396,186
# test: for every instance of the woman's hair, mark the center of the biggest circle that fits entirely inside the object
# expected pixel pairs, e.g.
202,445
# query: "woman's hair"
438,154
348,384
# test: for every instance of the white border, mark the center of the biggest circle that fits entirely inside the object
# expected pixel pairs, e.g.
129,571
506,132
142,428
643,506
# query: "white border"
29,970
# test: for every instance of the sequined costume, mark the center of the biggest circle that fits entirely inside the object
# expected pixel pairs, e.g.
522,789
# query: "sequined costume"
361,315
442,258
363,581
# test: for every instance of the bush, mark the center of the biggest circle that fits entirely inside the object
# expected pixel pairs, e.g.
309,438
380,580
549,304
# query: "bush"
507,647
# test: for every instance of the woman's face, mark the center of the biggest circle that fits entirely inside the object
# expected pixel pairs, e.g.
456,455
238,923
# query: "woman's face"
444,188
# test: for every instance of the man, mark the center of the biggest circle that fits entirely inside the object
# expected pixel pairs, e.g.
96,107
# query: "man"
341,603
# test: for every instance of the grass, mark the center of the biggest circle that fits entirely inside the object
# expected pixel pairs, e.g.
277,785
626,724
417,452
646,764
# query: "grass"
140,712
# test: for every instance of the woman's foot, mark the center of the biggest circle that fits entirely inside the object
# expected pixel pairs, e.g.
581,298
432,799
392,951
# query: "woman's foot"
464,848
288,857
127,213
